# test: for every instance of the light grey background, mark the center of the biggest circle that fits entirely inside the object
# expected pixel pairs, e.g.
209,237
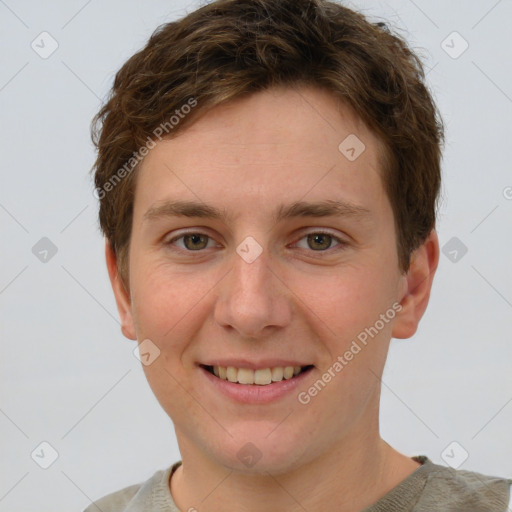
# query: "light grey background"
69,377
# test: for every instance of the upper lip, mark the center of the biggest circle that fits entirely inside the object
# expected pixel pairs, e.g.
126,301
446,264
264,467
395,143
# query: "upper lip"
254,365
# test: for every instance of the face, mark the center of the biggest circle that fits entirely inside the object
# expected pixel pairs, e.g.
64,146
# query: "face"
286,257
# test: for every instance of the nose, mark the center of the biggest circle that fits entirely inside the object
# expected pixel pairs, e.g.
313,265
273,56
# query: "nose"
253,299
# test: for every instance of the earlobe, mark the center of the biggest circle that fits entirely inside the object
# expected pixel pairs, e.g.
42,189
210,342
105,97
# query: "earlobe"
417,285
121,295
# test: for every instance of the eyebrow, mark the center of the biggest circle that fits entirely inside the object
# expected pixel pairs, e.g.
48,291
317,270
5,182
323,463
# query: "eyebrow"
327,208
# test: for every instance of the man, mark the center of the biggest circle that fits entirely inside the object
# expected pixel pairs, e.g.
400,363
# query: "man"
268,173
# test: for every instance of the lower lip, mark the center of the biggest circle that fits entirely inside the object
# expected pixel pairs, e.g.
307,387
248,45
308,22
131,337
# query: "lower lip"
253,393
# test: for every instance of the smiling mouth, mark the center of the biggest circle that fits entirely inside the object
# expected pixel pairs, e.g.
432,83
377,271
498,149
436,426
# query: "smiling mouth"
260,377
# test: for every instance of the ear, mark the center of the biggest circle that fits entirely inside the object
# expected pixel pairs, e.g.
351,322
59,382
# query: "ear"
416,286
122,296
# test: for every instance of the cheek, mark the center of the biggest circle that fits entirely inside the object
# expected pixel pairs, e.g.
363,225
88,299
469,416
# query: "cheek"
170,305
346,302
158,301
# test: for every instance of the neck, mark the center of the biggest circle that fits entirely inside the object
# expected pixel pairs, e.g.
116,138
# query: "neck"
346,478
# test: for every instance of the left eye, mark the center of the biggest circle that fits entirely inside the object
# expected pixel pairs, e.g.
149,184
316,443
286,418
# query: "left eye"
319,241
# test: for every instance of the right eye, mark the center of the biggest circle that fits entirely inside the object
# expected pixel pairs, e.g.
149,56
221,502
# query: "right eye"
191,241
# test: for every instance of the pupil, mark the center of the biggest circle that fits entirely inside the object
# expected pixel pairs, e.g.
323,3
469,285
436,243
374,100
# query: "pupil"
195,239
318,239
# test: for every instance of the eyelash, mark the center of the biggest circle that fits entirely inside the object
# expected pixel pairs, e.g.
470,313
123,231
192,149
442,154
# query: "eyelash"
341,243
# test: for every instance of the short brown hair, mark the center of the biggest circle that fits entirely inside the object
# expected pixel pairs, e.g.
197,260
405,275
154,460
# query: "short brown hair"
231,48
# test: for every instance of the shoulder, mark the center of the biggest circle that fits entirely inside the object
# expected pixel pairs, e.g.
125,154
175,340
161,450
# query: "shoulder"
464,490
116,501
137,497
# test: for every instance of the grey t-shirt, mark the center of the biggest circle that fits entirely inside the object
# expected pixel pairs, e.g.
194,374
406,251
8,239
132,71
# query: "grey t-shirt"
429,488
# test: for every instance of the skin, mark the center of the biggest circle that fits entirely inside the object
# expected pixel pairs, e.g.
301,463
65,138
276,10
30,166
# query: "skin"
298,300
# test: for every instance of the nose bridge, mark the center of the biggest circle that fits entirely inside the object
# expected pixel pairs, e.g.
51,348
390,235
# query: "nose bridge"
251,273
251,298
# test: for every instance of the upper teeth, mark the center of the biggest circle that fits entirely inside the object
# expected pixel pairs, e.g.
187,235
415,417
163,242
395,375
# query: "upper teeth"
261,377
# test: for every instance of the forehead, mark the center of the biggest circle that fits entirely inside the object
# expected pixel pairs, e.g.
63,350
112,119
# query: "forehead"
274,145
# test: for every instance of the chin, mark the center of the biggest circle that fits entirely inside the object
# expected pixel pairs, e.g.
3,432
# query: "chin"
255,451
